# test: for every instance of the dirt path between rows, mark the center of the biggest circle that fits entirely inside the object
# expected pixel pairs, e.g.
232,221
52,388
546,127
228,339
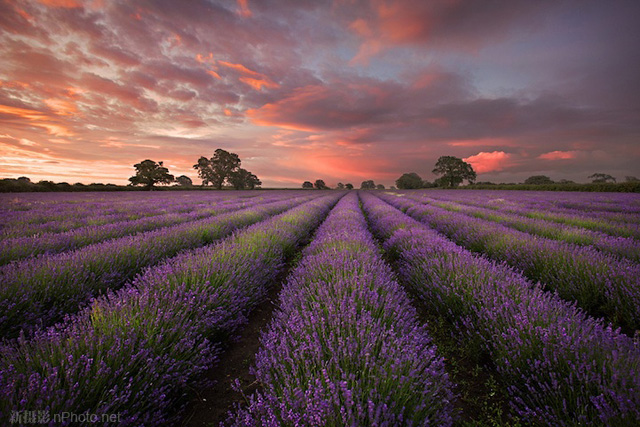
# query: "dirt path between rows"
210,407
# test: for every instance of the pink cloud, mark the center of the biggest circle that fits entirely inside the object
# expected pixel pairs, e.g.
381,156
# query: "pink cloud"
494,161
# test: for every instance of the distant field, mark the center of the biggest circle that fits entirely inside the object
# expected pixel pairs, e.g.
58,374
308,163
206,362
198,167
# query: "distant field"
407,307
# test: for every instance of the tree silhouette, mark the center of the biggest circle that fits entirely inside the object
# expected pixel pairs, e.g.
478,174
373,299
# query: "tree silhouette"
409,181
320,185
218,168
453,171
368,185
602,177
149,173
307,184
184,181
538,180
242,179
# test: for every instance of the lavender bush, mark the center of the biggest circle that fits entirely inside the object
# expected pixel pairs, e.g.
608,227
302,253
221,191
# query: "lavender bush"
625,247
601,284
137,351
616,217
345,347
22,247
40,291
561,366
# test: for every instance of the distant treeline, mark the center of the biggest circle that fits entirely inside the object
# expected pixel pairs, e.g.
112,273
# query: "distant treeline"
614,187
24,185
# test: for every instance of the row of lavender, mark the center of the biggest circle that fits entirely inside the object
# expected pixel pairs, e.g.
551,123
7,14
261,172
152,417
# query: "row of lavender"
136,352
600,283
40,291
51,217
561,366
624,247
623,203
584,212
346,347
22,247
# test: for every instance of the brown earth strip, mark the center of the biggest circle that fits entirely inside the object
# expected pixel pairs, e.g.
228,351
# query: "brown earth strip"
211,405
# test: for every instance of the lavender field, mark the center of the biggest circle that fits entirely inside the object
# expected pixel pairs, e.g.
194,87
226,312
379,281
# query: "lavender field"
415,307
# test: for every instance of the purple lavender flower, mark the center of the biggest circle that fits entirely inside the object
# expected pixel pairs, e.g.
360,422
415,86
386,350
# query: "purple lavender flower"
345,347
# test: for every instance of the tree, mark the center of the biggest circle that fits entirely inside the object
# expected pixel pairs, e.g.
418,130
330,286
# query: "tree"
252,181
184,181
149,173
368,185
320,185
340,186
602,177
307,184
242,179
453,171
538,180
205,170
409,181
380,187
626,178
348,186
218,168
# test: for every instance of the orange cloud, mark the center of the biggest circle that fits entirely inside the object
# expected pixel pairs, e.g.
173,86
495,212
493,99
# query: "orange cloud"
61,106
494,161
243,8
258,84
22,112
214,74
38,119
559,155
205,59
252,78
240,68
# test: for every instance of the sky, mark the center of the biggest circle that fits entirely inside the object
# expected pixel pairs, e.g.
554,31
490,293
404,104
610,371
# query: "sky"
339,90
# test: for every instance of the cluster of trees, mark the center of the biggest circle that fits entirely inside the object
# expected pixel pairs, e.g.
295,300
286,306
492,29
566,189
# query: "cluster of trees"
596,178
222,168
453,171
24,185
319,184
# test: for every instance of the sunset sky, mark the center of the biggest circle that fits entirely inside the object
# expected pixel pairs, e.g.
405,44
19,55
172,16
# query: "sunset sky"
340,90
